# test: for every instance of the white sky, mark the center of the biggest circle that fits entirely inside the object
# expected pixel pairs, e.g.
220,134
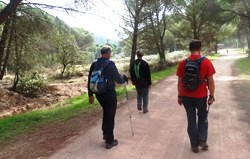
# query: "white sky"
105,22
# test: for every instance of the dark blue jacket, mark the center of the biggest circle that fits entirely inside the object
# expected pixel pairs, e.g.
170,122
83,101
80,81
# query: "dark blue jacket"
110,72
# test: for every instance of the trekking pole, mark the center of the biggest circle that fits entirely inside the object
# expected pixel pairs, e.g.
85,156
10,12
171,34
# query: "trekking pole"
132,130
207,112
206,121
209,103
208,108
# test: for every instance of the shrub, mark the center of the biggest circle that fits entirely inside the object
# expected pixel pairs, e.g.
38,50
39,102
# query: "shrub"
69,73
32,85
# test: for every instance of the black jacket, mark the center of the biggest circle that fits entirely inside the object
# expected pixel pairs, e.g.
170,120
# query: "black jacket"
111,73
144,79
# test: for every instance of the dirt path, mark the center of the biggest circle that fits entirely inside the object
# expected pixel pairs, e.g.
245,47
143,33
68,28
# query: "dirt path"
161,134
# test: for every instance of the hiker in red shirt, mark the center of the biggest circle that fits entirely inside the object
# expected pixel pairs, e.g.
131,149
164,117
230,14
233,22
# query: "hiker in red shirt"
195,80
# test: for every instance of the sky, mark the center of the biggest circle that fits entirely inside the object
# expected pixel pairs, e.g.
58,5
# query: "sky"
103,19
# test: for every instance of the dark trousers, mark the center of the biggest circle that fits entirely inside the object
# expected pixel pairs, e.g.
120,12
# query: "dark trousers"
197,131
108,101
142,96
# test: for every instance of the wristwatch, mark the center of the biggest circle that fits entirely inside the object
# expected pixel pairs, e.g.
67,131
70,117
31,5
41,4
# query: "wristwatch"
211,97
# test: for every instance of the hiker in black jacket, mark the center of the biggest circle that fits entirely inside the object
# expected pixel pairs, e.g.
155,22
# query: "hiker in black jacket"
141,78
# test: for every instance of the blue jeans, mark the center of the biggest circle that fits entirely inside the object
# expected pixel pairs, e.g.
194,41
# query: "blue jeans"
197,131
142,97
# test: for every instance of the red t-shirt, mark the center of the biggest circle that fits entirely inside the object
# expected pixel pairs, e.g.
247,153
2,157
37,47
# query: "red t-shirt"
206,69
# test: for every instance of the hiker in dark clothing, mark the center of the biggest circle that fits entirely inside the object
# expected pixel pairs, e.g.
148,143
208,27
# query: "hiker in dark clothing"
141,78
107,100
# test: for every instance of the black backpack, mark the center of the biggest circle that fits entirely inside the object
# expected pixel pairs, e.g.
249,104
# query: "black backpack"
192,74
98,79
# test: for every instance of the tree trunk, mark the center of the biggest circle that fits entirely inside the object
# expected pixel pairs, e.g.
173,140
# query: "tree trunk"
5,62
17,58
248,39
194,22
248,42
3,41
8,10
16,80
134,43
162,48
63,70
216,46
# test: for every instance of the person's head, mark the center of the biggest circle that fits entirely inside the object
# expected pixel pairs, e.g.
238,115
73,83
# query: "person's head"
106,51
139,53
195,46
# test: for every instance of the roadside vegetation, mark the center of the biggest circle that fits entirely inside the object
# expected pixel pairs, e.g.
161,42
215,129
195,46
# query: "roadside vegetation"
243,70
243,66
23,123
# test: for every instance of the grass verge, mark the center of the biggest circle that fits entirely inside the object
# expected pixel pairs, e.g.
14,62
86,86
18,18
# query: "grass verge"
23,123
213,57
243,66
243,69
18,124
156,76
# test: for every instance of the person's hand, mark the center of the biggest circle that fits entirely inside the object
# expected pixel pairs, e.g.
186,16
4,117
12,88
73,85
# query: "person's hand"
91,99
210,100
125,78
180,101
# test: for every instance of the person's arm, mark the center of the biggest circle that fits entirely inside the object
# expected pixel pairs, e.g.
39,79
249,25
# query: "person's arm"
179,90
132,73
211,88
148,75
210,82
118,78
90,93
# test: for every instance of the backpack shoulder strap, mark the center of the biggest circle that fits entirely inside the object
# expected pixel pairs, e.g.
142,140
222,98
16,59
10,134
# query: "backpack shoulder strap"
105,63
202,58
95,64
199,60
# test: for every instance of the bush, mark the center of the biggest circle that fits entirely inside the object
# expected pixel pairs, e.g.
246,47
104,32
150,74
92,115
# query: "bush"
32,85
69,73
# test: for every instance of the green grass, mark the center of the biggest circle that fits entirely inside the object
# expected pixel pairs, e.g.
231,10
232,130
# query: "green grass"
243,65
156,76
18,124
214,57
243,69
23,123
122,90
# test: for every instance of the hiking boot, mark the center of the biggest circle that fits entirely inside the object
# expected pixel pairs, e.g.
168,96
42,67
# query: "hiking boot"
145,111
110,145
139,107
203,145
195,149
